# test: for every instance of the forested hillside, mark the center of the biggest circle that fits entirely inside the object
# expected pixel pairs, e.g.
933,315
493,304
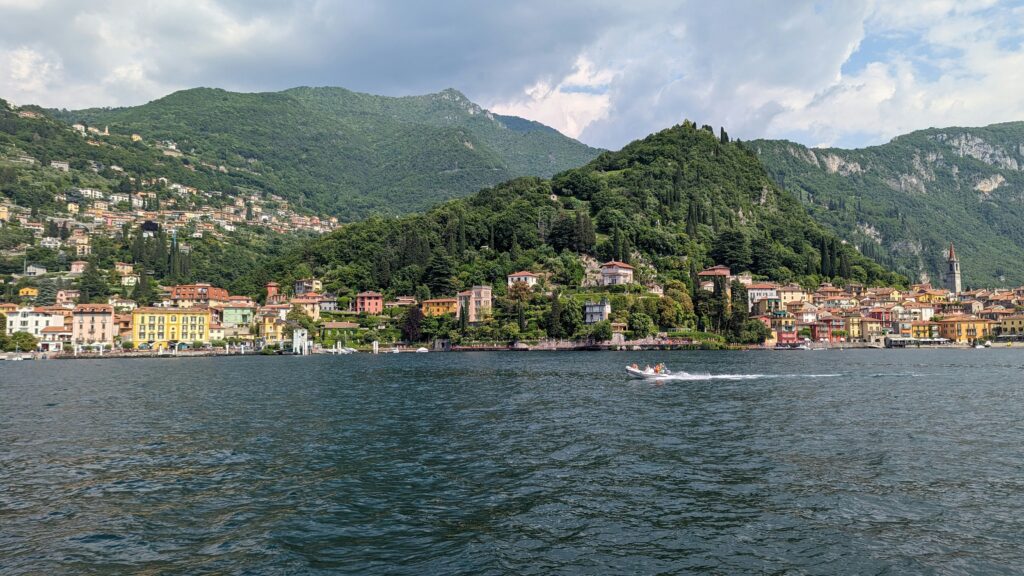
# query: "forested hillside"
345,153
905,201
670,204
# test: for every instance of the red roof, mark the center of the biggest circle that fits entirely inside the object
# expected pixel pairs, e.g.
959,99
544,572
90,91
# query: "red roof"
616,264
369,295
719,270
524,273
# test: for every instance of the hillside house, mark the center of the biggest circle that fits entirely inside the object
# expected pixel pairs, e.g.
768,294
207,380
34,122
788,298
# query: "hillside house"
616,273
523,277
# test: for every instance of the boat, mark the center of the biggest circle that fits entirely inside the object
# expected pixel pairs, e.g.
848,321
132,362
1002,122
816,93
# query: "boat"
422,350
646,374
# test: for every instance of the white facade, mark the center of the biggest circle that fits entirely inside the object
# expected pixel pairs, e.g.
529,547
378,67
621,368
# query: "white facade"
616,273
594,312
32,321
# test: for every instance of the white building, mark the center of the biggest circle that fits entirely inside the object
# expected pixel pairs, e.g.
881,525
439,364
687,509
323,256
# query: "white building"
523,277
32,320
594,312
757,292
616,273
35,270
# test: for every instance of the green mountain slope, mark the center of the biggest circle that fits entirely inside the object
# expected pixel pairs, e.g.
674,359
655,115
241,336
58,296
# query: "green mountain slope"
670,204
346,153
905,201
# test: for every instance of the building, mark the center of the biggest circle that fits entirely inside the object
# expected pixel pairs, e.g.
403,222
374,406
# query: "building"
523,277
31,320
190,295
78,266
1013,325
123,268
439,306
53,338
271,326
237,313
34,270
328,303
709,277
307,285
401,302
964,329
67,297
165,327
594,312
309,304
28,292
51,243
93,324
62,165
476,302
616,273
274,295
757,292
369,303
953,271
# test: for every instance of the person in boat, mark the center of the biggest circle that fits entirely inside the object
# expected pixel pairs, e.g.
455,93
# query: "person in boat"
634,366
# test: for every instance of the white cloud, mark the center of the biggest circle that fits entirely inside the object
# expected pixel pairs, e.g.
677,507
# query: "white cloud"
569,106
852,72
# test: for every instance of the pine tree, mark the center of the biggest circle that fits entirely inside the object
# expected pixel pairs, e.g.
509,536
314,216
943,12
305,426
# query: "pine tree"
555,317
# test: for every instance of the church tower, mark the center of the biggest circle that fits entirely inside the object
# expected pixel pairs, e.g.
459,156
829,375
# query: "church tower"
953,271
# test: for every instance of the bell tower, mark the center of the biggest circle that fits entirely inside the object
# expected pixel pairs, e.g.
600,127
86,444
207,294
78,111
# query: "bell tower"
953,271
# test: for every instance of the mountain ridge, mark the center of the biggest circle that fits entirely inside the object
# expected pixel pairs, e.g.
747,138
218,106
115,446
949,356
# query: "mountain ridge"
904,201
349,153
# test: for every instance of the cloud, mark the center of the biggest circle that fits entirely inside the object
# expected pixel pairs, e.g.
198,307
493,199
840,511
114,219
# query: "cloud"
576,101
848,73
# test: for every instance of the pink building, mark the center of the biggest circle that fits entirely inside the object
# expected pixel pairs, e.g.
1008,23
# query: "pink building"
78,266
369,303
93,324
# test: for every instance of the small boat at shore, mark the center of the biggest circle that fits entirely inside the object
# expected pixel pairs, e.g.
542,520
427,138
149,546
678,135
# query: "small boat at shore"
646,374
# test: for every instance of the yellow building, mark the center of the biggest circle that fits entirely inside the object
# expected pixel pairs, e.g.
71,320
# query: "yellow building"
271,328
964,329
5,212
439,306
1012,325
165,327
922,329
28,292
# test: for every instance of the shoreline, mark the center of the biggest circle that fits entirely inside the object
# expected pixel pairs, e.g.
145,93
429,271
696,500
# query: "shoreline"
627,347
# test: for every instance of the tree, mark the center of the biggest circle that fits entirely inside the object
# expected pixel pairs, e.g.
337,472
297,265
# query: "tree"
572,318
586,237
143,292
554,321
601,331
412,324
641,325
92,284
439,273
21,341
732,248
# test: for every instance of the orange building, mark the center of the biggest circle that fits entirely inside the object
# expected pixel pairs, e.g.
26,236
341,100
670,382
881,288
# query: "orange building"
439,306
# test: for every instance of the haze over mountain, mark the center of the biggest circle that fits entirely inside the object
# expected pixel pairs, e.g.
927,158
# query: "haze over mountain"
347,153
905,201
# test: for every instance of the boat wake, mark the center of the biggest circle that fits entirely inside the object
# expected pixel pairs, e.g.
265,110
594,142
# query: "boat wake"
684,376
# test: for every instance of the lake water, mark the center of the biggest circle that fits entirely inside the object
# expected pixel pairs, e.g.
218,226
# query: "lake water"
527,463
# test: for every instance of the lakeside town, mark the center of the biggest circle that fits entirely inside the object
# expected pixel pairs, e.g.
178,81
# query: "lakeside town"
303,318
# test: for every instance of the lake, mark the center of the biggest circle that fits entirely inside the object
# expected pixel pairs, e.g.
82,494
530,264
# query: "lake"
529,463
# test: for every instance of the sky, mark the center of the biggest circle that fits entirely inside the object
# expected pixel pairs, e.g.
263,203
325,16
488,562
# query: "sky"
846,73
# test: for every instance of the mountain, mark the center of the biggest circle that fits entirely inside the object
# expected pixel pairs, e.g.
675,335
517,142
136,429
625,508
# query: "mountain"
346,153
670,204
905,201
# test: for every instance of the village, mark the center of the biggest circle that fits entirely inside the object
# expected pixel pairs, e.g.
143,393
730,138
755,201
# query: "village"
302,318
